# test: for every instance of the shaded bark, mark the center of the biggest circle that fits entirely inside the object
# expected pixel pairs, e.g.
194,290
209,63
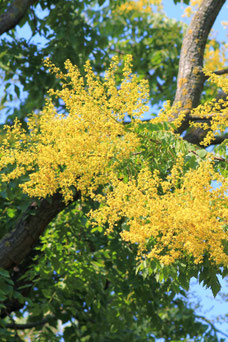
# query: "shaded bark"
21,284
14,14
16,245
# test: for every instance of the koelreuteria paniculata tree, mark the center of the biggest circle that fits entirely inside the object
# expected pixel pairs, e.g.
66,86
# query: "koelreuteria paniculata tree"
171,210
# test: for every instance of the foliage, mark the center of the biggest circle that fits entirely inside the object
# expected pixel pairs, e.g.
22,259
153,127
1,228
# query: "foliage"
85,32
88,281
153,40
217,110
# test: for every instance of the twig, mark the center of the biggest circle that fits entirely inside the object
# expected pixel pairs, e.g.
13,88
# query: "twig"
136,153
212,325
29,325
214,157
218,72
221,159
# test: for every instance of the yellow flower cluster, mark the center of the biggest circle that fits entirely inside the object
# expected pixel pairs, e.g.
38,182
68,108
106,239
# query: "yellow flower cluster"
215,56
77,149
181,215
171,114
141,6
186,220
216,110
191,9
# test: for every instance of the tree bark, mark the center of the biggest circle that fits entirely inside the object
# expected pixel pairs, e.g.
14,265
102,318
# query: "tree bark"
14,14
17,244
190,78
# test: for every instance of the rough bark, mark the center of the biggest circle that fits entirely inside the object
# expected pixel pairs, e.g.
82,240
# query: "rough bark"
190,78
14,14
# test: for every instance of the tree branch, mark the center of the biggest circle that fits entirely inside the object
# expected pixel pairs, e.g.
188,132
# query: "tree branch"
29,325
212,325
21,284
195,135
219,139
220,159
218,72
16,248
14,14
17,244
190,79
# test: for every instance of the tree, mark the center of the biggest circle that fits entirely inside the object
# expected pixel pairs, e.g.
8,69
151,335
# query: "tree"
101,218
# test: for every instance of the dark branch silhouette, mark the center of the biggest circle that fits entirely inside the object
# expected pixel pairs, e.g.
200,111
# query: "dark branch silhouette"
29,325
15,12
218,72
17,244
212,325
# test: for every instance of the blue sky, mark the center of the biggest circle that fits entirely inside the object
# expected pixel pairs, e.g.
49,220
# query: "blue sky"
176,11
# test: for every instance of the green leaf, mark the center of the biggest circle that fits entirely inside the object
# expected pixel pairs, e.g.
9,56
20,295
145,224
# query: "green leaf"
101,2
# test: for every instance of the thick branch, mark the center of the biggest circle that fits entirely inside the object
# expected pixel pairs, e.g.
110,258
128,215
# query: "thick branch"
197,134
190,77
18,243
14,14
219,139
